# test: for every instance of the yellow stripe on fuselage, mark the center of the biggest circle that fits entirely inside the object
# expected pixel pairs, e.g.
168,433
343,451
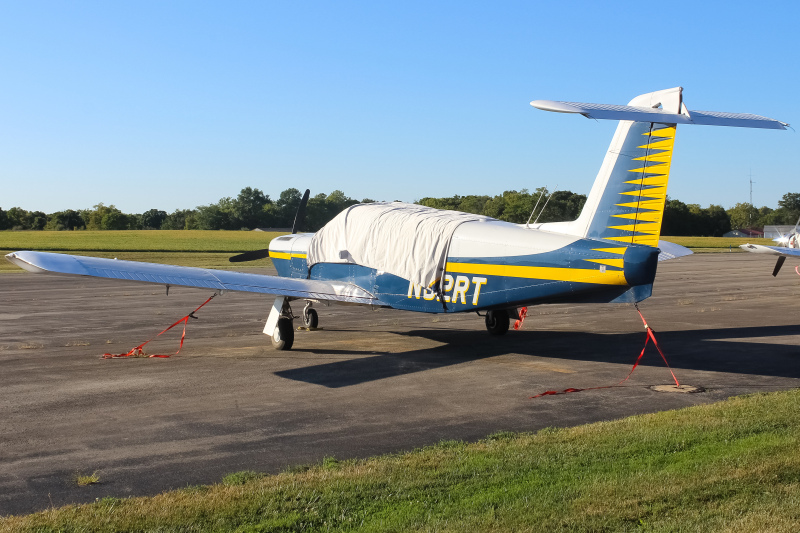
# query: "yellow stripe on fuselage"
580,275
286,255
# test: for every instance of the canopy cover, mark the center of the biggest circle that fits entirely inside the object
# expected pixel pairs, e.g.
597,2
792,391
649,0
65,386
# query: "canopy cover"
408,240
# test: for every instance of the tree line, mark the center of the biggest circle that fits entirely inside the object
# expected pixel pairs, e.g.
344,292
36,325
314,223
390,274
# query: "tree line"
251,208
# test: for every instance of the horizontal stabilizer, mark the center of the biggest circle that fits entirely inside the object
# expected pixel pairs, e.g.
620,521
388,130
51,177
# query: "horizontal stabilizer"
651,114
191,277
670,250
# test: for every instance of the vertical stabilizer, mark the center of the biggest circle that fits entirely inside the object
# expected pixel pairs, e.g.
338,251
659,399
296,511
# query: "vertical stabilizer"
626,203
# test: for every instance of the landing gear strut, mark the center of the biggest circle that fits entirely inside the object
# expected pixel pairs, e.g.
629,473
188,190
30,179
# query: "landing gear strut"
310,317
497,322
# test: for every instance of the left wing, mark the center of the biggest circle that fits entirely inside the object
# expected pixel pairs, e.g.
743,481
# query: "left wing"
771,250
781,252
192,277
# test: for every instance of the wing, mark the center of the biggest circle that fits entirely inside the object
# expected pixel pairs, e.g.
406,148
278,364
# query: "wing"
771,250
191,277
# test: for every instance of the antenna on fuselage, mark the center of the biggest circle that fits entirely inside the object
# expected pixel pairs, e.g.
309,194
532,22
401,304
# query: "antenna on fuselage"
534,208
545,203
543,207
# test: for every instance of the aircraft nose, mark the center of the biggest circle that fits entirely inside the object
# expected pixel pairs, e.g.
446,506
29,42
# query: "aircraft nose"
640,263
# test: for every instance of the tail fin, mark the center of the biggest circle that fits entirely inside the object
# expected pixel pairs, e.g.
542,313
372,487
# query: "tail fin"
626,203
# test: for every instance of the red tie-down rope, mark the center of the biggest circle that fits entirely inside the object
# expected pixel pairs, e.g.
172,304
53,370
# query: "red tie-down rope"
138,351
650,336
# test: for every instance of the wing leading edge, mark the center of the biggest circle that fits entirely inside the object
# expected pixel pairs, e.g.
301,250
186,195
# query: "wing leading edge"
771,250
191,277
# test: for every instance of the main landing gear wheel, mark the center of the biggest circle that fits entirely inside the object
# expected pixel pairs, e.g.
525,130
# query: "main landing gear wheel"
497,322
283,336
310,318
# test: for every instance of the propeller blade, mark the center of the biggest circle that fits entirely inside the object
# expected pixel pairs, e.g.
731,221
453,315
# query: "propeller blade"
778,265
300,217
249,256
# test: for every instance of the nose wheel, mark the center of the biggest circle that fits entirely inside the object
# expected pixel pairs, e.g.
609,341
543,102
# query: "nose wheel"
497,322
310,317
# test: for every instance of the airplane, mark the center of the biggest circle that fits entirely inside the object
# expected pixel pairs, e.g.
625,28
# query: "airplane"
415,258
789,246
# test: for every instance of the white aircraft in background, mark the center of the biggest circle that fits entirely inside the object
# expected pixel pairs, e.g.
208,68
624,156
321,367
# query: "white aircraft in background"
416,258
788,246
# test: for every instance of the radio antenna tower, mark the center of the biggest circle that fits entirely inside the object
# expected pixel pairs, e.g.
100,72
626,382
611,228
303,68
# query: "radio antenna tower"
751,197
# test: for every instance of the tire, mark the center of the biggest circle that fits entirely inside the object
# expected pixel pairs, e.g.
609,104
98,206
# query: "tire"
310,318
497,322
283,336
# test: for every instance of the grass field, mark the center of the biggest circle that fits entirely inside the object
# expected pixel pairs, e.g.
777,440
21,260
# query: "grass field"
730,466
209,249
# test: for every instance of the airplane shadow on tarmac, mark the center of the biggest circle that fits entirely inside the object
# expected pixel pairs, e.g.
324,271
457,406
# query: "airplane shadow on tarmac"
713,350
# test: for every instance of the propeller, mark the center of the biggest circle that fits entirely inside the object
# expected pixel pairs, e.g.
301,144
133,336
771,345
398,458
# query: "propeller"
778,265
300,217
299,220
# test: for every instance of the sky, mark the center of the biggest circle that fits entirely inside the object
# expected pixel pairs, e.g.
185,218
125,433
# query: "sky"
171,105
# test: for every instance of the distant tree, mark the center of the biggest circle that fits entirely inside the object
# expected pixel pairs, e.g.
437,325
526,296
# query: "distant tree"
743,215
214,216
114,219
65,220
177,219
717,221
451,203
473,204
790,201
4,224
153,218
286,205
19,219
677,219
247,209
93,218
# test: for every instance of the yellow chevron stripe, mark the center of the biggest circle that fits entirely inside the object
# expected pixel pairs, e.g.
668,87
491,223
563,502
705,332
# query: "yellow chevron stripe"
644,216
655,205
659,157
662,169
579,275
647,240
658,181
619,250
655,192
666,144
649,228
619,263
663,132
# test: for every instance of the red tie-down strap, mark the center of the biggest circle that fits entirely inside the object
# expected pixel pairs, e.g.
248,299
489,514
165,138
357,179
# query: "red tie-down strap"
650,335
138,351
523,312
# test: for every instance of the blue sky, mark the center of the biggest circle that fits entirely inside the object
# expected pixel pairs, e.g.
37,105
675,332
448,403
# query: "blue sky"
171,105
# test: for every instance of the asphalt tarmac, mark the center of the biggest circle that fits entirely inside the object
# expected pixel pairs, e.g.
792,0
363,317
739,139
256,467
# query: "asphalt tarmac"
368,383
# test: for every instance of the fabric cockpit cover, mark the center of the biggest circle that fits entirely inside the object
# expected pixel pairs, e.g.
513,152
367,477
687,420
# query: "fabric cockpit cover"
408,240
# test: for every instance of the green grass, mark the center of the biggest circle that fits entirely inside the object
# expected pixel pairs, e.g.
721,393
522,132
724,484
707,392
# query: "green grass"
731,466
136,241
206,249
83,480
